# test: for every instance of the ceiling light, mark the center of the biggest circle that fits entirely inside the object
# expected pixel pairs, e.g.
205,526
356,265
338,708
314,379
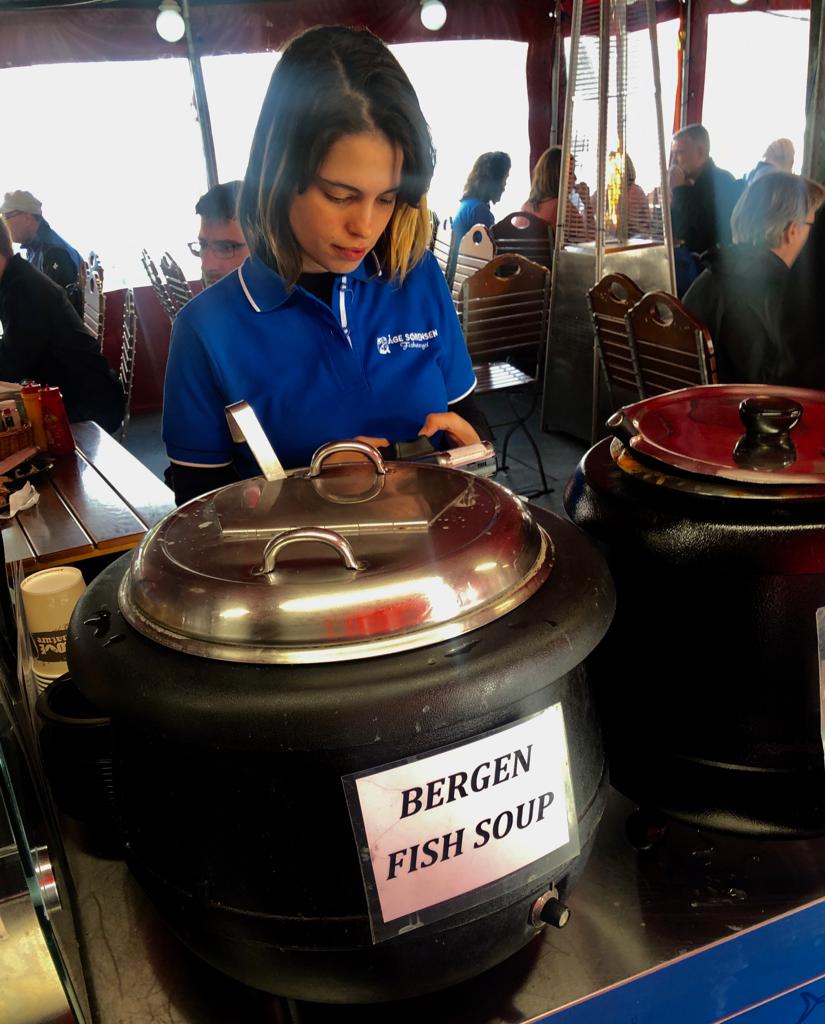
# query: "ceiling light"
739,3
169,21
433,14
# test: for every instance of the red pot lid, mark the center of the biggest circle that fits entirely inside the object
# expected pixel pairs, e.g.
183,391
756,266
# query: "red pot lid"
750,433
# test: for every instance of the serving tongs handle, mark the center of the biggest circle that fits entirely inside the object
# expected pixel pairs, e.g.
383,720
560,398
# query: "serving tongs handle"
244,425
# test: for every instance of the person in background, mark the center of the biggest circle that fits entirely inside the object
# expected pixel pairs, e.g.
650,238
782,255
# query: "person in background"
339,324
803,312
635,208
638,210
779,156
739,296
44,248
702,199
44,340
485,185
543,200
221,245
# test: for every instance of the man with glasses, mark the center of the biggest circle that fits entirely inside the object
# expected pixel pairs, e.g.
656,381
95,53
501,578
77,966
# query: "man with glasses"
44,248
221,245
739,297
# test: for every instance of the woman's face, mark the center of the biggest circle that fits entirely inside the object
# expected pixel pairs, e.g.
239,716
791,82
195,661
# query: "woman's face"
343,212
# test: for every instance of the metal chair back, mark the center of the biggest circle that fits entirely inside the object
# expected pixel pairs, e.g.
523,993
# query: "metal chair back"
505,313
158,286
128,345
177,287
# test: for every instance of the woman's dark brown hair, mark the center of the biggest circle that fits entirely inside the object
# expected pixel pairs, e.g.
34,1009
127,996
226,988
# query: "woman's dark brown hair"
330,82
487,176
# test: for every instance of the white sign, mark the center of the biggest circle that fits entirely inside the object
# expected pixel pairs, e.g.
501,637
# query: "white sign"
453,821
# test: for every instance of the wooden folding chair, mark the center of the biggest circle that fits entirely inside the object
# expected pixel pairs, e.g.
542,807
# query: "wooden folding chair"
672,349
504,312
526,234
475,250
610,300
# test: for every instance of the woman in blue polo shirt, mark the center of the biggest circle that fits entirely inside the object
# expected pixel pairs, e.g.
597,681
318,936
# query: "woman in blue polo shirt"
485,184
340,323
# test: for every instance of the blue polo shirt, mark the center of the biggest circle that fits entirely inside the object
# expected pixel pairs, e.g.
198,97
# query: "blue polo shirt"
376,362
471,211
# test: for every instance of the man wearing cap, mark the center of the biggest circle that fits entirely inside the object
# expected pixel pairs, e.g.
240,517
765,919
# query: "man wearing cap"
44,339
45,249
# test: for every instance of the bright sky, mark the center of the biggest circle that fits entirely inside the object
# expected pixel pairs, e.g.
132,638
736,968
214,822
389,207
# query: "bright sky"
120,167
755,93
125,173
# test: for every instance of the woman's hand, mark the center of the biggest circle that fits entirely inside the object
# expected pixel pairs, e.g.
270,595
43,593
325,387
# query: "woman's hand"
458,430
376,442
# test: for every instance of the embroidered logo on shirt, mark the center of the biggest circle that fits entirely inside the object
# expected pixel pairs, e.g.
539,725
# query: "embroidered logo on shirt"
412,339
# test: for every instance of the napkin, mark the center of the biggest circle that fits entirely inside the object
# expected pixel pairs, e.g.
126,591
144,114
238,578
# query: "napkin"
22,499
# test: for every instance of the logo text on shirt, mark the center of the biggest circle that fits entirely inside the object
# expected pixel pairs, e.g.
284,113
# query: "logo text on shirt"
411,339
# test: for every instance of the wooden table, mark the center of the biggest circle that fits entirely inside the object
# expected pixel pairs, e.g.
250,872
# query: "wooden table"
97,501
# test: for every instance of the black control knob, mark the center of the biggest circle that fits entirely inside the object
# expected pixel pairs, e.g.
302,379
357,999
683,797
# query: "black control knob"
555,912
549,909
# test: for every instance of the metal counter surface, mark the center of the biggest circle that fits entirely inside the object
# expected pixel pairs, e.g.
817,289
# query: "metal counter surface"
698,929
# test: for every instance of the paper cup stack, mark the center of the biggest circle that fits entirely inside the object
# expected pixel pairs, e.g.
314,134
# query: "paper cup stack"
49,597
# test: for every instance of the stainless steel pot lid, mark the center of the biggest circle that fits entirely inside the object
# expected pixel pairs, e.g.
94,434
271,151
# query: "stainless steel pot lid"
747,433
347,561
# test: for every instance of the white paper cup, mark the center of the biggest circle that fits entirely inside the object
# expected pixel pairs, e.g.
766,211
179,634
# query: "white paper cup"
49,597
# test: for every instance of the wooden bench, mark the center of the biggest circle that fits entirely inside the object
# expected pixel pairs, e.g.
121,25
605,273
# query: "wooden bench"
99,500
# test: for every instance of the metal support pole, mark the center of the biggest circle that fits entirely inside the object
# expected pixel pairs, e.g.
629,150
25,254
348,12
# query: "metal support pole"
567,136
664,195
605,14
555,81
813,162
685,68
201,104
620,22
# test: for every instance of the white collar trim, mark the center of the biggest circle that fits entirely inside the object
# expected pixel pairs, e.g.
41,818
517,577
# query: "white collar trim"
249,298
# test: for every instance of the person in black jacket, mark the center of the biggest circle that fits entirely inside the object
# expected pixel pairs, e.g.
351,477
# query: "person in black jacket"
702,199
803,313
44,340
739,296
44,248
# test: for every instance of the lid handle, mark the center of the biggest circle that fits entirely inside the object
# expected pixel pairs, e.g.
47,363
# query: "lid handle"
299,535
244,425
766,444
769,417
333,447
